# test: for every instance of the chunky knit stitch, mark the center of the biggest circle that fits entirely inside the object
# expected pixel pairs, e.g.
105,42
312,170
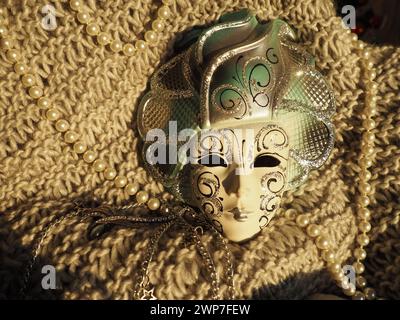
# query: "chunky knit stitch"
98,90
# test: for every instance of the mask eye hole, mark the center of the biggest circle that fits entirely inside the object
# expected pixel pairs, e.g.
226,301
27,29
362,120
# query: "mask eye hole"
266,160
213,160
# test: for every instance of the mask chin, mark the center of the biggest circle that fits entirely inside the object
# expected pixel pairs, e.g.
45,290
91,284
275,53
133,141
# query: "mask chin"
238,231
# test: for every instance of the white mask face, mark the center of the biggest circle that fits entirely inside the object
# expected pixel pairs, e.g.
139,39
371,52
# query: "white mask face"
241,74
239,179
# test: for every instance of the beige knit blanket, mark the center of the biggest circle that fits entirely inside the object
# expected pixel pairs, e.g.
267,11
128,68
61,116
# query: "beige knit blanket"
98,91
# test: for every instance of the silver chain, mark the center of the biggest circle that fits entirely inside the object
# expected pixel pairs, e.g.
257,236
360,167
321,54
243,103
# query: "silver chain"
36,249
141,290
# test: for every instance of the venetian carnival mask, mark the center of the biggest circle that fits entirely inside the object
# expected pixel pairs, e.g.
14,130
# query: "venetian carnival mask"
236,119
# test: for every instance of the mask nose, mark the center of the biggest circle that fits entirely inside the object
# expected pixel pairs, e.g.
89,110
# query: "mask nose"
230,183
235,184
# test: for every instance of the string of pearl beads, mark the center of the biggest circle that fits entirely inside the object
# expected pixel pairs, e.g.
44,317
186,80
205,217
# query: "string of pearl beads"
365,191
104,39
36,93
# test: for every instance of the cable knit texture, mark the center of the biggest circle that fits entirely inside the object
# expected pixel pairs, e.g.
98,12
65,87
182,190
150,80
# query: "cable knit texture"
98,91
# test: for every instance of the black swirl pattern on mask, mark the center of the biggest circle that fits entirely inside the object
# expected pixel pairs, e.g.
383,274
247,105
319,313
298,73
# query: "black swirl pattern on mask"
207,189
212,207
256,84
273,182
263,221
231,100
271,136
215,142
271,56
208,184
270,203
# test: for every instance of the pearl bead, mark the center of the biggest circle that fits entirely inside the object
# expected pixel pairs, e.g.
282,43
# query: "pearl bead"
70,136
132,188
370,64
290,215
43,103
354,37
79,147
110,174
62,125
313,230
341,280
360,253
99,165
364,200
361,281
302,220
366,54
103,38
89,156
370,293
364,226
369,124
361,45
153,204
165,196
350,291
328,256
157,25
366,163
140,45
358,267
6,44
120,181
142,197
322,243
128,49
28,80
19,68
2,31
365,188
373,99
52,114
369,136
75,5
35,92
358,296
13,55
363,240
116,46
92,29
373,86
83,17
150,36
335,268
372,75
372,111
368,150
163,12
364,213
165,209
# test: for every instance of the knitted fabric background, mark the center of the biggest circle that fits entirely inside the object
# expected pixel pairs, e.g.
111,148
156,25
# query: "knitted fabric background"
98,91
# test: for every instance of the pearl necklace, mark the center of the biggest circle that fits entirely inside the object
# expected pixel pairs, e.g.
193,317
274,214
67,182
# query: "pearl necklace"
142,197
62,125
363,200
